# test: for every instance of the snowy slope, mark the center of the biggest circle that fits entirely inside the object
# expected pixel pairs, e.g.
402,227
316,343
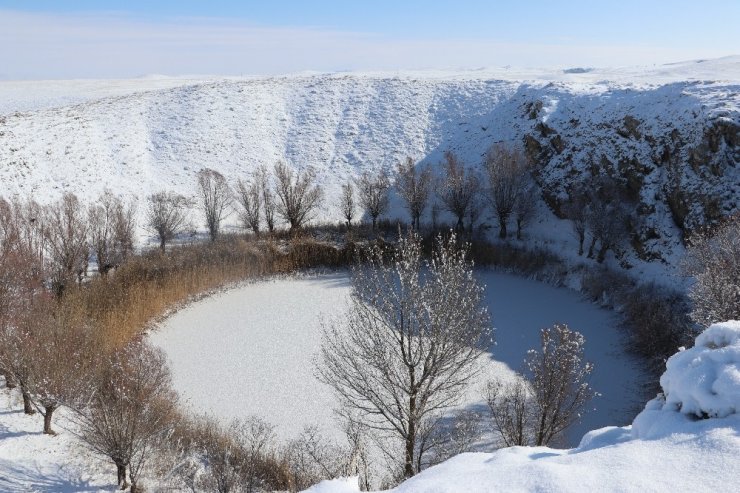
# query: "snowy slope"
667,448
142,136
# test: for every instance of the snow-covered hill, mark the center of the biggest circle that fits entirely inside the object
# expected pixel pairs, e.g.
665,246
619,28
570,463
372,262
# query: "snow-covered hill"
652,127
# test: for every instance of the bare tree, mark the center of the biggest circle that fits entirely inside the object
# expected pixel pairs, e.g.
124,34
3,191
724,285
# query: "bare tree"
606,218
414,186
713,258
167,215
17,352
268,197
112,231
450,436
373,191
512,409
559,378
410,341
249,196
538,408
21,287
215,199
508,171
576,210
458,188
314,458
17,308
434,213
130,411
347,203
298,195
65,352
475,210
65,231
524,208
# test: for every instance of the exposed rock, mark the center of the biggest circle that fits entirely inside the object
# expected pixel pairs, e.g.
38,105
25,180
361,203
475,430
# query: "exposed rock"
629,128
558,144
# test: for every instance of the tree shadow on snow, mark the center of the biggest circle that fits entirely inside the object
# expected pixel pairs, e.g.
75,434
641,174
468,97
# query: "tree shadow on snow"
17,478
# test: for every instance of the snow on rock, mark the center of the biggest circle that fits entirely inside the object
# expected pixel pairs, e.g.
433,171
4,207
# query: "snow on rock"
667,448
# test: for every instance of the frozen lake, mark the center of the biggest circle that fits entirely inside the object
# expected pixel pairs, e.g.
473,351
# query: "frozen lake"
252,349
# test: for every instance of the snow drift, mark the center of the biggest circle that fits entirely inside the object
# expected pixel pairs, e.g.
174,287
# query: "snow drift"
687,439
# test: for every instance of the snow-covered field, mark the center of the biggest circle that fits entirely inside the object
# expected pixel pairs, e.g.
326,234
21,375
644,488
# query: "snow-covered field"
250,350
33,462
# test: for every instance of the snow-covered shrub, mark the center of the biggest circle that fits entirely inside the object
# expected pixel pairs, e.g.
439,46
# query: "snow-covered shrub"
539,407
658,321
202,454
701,382
705,380
714,261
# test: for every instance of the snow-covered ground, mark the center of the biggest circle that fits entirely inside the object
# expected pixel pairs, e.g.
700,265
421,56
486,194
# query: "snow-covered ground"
667,448
251,350
33,462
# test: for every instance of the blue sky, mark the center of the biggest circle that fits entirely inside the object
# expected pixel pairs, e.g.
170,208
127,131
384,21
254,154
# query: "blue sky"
47,39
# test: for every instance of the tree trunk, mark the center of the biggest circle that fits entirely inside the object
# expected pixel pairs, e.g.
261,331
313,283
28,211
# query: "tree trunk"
48,413
27,404
602,252
591,248
161,243
502,227
408,469
518,229
10,382
121,471
581,239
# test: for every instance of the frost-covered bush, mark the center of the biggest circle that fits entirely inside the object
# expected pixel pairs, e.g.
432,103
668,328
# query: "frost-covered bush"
714,261
703,381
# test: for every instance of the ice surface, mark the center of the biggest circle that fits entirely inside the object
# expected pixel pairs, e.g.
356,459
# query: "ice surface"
251,350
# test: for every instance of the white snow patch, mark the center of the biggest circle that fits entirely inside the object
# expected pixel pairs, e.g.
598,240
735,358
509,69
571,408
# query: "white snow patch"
33,462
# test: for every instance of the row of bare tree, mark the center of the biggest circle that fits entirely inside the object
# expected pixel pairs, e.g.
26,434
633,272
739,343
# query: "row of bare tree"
61,236
295,196
460,190
290,195
119,398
